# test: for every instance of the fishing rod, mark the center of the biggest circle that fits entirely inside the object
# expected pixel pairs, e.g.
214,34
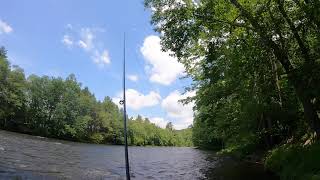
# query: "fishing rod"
125,111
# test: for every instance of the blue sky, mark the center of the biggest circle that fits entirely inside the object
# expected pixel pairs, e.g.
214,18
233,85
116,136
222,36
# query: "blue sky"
57,38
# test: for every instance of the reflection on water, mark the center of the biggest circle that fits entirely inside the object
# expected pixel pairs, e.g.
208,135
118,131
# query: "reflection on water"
31,157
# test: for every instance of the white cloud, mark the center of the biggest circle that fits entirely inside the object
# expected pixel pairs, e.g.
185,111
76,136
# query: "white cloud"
163,68
133,77
101,59
82,44
105,58
67,40
183,114
137,100
5,28
86,39
159,121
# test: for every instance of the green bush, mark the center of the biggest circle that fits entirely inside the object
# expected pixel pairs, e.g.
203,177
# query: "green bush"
245,145
96,138
295,162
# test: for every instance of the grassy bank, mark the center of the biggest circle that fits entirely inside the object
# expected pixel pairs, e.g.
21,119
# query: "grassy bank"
295,161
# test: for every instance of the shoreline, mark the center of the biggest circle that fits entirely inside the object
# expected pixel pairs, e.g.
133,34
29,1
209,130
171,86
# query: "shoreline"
86,142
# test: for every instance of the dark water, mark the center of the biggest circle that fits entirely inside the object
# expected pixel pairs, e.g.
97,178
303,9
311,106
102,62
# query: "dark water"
31,157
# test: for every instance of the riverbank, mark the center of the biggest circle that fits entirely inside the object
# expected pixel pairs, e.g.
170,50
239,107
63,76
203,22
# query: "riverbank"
295,161
232,169
84,141
290,161
239,166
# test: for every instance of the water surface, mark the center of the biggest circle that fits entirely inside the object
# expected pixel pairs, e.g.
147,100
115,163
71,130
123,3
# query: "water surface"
31,157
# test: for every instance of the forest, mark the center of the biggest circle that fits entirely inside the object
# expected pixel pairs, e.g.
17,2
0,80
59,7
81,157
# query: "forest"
255,66
61,108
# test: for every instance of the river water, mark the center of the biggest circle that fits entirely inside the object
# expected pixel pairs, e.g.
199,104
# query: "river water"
31,157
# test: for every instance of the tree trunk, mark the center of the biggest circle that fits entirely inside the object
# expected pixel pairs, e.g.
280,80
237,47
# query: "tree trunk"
310,112
281,55
5,123
274,68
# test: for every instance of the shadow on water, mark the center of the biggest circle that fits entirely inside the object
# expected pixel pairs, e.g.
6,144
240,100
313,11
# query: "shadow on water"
229,169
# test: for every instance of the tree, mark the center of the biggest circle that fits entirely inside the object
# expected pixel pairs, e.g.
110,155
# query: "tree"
169,126
253,64
12,97
4,73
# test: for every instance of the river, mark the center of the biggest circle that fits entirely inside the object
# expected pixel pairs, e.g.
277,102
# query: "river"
32,157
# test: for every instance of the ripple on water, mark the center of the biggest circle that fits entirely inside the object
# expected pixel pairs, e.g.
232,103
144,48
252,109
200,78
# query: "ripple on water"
29,157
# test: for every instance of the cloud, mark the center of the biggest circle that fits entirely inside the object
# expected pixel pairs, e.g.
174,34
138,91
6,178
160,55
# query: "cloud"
101,59
183,114
105,58
66,40
82,44
162,67
159,121
5,28
133,77
137,100
85,39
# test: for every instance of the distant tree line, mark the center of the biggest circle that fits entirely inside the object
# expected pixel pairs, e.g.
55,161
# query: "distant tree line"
61,108
255,66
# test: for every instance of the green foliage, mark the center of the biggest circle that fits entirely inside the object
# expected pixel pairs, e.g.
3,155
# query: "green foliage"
80,127
250,62
255,67
144,133
61,108
96,138
295,161
12,92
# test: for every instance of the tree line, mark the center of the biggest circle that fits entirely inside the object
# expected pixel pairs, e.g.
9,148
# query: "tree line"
255,65
61,108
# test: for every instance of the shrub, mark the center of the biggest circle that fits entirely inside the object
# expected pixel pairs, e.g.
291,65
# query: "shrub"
295,162
96,138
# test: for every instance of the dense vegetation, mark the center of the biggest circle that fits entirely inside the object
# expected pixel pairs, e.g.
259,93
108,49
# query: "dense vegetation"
255,65
61,108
